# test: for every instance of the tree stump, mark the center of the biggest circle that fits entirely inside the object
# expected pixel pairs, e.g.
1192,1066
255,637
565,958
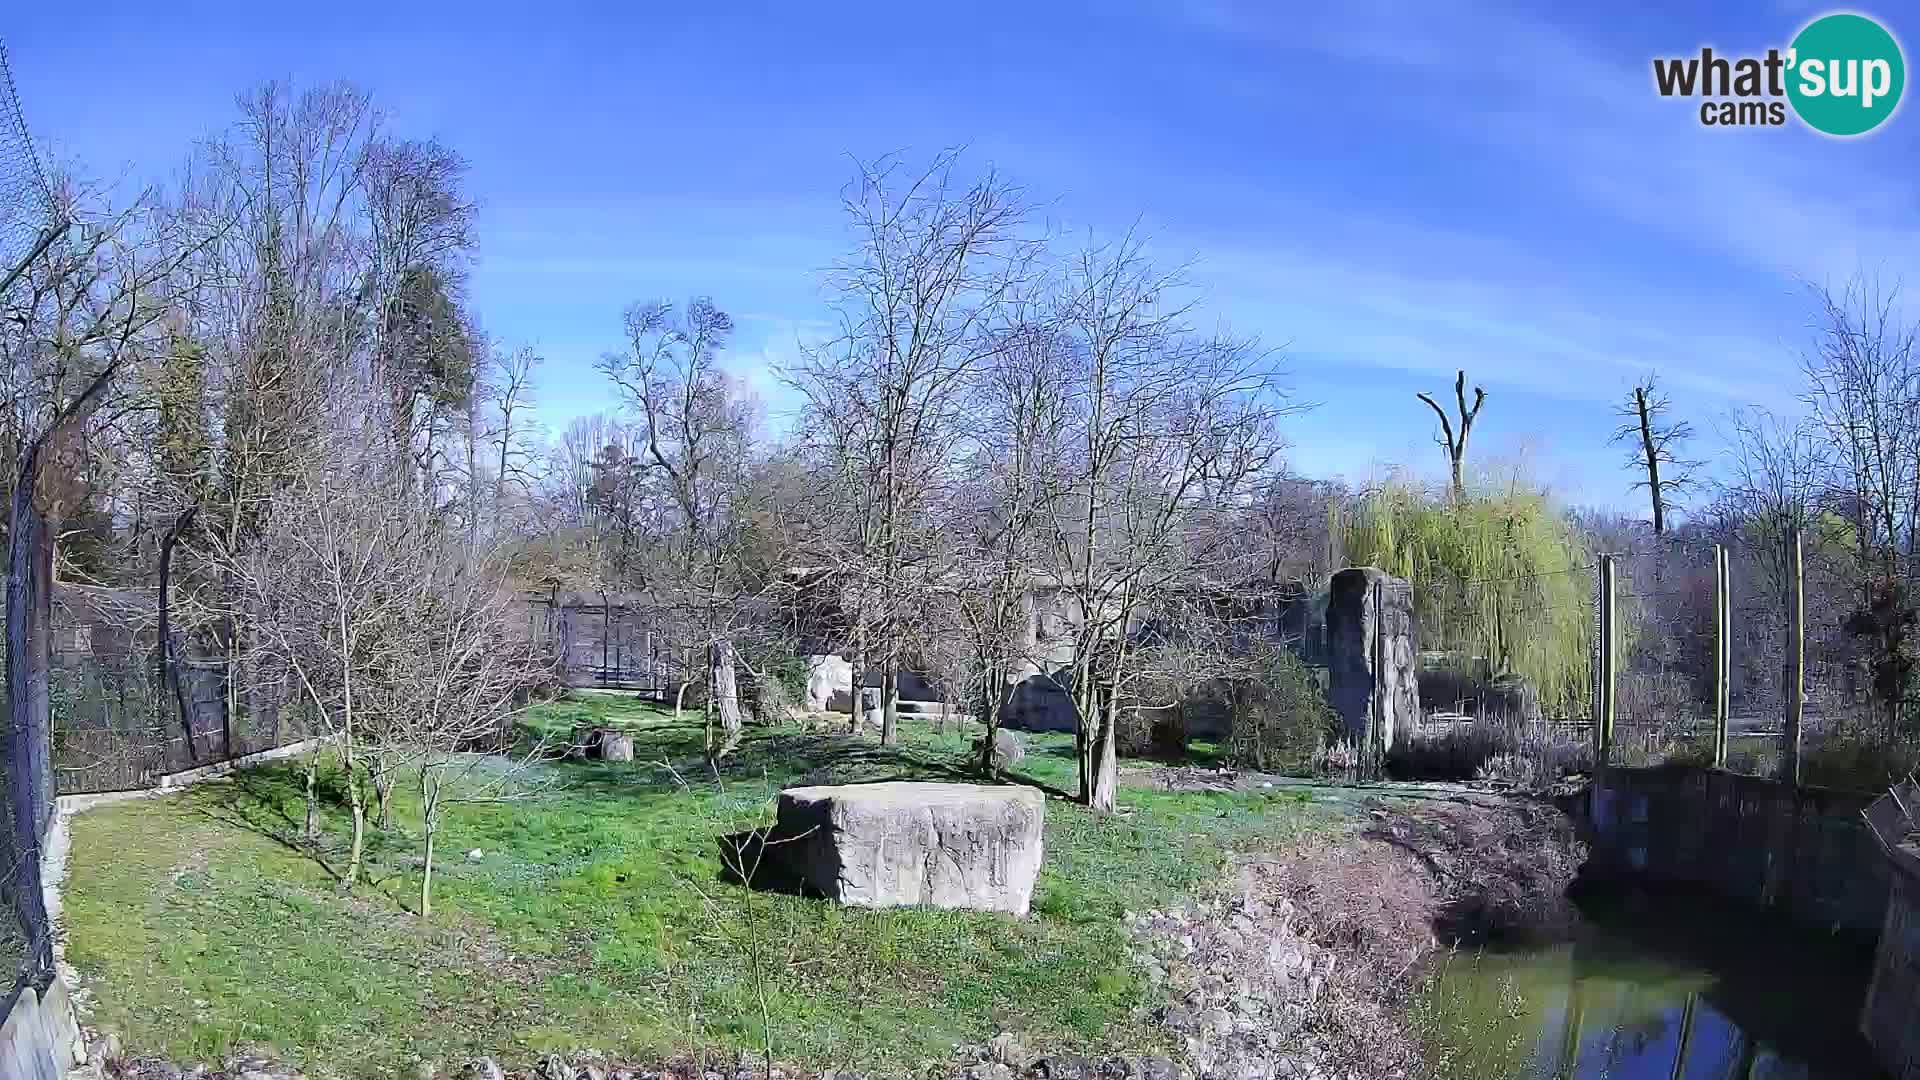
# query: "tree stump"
615,745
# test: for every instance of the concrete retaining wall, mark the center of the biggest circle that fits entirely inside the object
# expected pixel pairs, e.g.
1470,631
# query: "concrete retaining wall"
1891,1018
39,1038
40,1032
1806,853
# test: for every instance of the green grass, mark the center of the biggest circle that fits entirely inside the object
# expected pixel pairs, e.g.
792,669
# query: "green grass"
595,917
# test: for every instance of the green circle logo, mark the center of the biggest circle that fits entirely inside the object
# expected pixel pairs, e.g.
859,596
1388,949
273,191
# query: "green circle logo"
1846,73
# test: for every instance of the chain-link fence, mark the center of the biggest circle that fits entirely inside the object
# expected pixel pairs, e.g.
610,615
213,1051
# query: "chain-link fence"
30,219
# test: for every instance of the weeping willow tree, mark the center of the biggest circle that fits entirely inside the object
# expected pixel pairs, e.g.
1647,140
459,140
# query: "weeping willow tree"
1500,575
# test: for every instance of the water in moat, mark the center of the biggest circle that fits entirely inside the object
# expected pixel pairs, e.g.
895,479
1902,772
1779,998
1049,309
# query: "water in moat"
1656,987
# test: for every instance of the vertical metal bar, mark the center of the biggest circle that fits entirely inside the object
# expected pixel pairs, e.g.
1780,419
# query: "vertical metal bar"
1796,688
1376,705
1722,654
1609,670
1686,1036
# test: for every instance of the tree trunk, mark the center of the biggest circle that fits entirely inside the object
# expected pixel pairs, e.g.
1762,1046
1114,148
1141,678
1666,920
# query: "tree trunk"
356,800
383,797
1086,718
1652,458
857,683
1106,772
169,664
726,695
426,875
313,802
890,704
430,821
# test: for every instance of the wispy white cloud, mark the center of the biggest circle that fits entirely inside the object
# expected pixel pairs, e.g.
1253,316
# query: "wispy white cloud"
1570,309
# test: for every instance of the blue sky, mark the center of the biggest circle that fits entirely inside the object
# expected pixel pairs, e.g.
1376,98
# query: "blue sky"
1383,192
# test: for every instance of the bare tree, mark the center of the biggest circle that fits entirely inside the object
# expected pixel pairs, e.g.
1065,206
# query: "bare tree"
1864,389
328,582
937,257
1656,442
1167,431
451,676
1456,445
697,430
1020,408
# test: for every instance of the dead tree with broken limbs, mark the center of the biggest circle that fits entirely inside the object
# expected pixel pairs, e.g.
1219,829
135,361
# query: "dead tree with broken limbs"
1456,444
1655,441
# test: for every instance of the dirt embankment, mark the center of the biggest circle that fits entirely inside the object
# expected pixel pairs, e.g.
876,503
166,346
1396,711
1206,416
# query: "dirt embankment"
1307,964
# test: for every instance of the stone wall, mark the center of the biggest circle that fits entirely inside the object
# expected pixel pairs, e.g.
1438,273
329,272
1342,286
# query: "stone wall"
1039,698
1805,852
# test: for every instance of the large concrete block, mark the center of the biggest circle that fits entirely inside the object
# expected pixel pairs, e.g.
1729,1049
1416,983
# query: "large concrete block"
904,844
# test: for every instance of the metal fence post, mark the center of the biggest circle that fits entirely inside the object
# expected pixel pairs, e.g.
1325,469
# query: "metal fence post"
1722,652
1377,709
1609,670
1796,673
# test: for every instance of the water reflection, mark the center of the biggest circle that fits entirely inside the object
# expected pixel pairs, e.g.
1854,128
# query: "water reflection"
1661,989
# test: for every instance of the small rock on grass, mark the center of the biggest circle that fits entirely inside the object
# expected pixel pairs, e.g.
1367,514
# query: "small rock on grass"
1156,1068
1064,1067
1007,1049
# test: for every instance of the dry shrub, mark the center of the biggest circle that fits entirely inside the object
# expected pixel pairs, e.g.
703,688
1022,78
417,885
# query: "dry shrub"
1532,756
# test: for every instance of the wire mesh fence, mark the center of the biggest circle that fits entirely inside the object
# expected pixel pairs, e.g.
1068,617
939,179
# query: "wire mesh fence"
117,727
29,213
119,724
1512,671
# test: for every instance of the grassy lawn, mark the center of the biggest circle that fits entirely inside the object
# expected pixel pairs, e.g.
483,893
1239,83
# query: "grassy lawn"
594,917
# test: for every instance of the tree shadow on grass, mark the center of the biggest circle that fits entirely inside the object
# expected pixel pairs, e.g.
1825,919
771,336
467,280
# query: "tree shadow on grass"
259,800
255,800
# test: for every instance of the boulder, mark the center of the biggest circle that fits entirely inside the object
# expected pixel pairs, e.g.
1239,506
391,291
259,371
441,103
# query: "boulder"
829,683
904,844
1008,748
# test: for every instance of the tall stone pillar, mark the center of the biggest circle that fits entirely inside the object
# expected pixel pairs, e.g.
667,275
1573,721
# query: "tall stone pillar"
1372,683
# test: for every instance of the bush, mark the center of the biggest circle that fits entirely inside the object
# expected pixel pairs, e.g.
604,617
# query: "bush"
1280,720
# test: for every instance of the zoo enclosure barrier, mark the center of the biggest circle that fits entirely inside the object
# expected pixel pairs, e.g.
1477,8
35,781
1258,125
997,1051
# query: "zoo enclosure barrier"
1737,655
116,723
